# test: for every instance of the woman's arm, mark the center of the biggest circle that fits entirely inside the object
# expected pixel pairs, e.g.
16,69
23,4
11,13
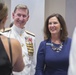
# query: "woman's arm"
40,59
17,53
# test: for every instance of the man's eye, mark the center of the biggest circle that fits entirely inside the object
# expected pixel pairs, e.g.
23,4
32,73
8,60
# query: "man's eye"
24,16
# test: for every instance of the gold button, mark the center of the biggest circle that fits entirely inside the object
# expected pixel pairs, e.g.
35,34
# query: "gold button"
22,45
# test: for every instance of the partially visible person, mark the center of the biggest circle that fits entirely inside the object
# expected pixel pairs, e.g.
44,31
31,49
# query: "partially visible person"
11,24
72,57
53,52
10,49
27,39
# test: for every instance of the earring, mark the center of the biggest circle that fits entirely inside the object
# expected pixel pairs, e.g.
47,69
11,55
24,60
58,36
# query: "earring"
60,28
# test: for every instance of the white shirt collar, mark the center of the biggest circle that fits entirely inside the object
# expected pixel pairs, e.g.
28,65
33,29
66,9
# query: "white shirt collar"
17,29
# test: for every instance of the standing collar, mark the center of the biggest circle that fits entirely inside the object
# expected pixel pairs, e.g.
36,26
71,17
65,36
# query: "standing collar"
17,29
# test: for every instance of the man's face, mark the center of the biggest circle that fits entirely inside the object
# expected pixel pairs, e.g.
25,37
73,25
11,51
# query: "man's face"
20,17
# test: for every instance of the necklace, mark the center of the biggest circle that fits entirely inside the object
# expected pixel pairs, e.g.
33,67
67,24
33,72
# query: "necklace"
57,49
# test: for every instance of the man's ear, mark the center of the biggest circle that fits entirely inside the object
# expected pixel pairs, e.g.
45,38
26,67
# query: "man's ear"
28,18
13,15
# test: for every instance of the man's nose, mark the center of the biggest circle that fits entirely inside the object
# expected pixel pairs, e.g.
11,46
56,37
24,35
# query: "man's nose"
21,17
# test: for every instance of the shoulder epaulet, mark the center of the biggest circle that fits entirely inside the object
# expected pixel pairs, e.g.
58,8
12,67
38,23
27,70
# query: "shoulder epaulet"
30,33
1,30
7,29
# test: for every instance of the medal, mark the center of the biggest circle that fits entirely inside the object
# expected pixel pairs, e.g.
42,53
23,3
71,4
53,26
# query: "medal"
29,45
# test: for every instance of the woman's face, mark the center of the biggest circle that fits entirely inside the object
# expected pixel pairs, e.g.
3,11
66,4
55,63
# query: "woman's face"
54,26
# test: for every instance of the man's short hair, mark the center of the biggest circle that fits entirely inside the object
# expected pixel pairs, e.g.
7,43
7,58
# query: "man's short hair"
21,6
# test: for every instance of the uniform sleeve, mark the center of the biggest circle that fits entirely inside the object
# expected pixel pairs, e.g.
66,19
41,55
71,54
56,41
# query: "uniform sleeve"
40,59
72,58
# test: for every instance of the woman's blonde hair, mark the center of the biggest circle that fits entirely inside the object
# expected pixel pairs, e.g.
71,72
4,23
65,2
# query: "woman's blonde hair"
3,11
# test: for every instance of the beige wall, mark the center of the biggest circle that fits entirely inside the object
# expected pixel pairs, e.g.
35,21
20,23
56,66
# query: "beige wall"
55,6
8,2
71,16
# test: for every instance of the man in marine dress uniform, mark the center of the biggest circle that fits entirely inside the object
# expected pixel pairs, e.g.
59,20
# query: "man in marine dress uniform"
26,39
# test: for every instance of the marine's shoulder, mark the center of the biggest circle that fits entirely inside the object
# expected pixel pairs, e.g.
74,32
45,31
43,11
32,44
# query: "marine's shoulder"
30,33
7,29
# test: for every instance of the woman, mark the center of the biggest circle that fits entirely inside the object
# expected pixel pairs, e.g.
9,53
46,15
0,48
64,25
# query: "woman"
10,49
53,52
